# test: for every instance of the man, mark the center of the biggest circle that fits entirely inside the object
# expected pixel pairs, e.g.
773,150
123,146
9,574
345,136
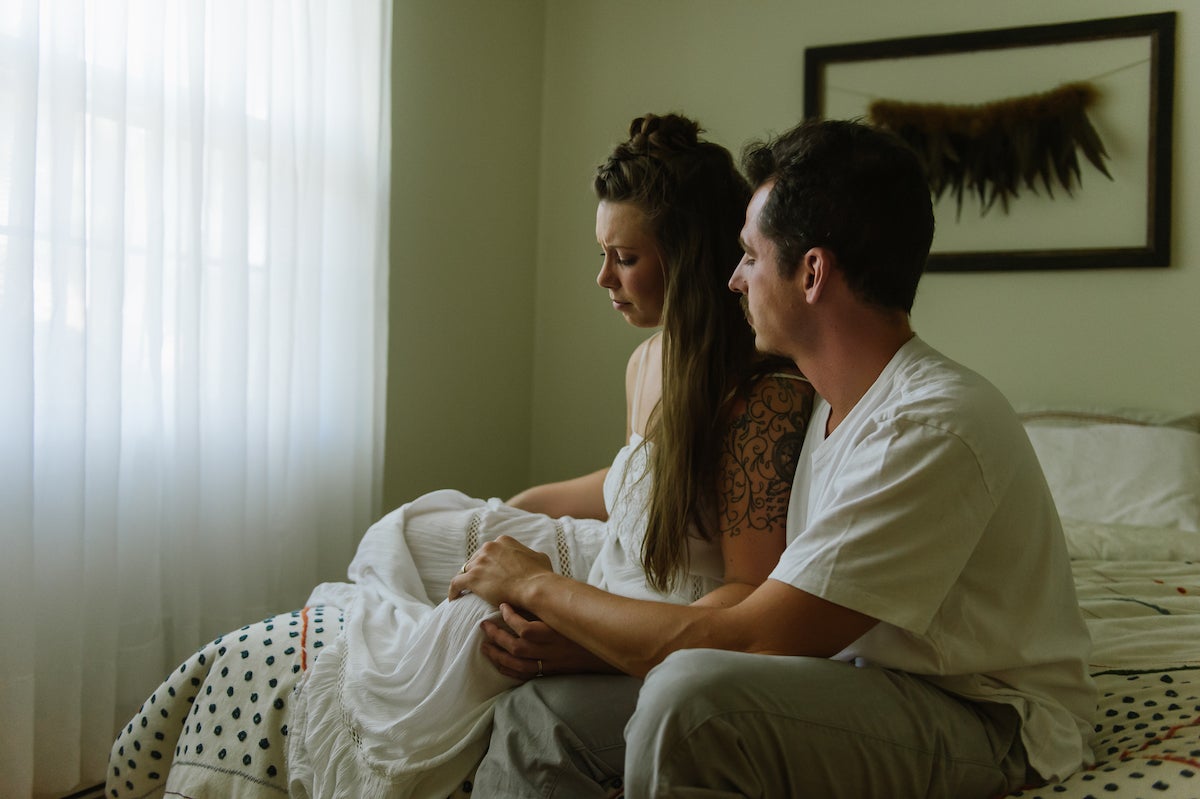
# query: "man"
920,634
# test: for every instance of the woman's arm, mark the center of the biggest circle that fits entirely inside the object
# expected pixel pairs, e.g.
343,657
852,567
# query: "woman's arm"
767,425
583,497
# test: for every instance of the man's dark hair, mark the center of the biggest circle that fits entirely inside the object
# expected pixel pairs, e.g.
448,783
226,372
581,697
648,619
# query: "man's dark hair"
856,190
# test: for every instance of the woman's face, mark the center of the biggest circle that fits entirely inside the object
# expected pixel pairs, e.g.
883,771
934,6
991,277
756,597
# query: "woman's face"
632,270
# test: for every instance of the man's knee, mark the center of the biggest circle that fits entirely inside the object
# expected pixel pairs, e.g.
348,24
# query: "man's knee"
687,677
706,681
682,694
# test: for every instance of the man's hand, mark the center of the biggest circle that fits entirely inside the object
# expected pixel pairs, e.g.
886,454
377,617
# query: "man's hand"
499,570
524,648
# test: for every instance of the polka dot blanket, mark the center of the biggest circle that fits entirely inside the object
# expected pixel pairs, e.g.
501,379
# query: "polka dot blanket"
1144,617
217,725
216,728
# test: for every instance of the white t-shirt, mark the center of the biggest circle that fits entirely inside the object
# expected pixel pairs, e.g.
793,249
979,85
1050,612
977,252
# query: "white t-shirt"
926,509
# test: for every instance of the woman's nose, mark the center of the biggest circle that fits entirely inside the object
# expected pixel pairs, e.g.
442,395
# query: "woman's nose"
604,279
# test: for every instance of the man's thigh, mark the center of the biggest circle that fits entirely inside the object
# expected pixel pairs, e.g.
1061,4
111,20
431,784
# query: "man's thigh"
559,737
714,724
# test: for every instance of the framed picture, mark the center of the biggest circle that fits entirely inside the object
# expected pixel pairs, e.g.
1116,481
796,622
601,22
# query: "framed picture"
1122,219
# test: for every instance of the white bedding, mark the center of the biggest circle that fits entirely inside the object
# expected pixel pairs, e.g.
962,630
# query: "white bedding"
1129,494
1141,614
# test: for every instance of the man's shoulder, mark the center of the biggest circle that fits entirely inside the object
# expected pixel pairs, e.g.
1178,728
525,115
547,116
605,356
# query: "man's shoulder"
933,389
939,397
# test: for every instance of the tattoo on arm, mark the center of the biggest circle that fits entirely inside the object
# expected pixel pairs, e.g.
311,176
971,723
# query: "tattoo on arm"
760,453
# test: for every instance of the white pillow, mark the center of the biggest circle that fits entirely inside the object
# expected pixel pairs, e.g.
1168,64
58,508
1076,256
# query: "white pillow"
1126,474
1098,541
1083,415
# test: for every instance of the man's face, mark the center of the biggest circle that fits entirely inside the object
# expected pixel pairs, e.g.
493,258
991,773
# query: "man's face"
772,303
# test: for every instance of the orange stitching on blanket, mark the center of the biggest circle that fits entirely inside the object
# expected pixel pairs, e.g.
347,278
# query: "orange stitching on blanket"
304,639
1128,754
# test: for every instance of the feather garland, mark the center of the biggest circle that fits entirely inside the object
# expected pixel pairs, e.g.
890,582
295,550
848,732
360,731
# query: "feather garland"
994,149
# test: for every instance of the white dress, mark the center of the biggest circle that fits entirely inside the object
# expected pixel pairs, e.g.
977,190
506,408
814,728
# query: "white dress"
400,704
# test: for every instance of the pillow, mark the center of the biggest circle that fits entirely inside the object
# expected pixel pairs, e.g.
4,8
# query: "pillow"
1098,541
1083,416
1118,473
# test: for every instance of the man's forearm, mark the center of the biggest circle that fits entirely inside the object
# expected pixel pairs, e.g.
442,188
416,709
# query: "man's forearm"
631,634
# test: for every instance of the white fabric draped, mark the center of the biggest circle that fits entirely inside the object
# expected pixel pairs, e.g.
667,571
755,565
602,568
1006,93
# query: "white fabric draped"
193,250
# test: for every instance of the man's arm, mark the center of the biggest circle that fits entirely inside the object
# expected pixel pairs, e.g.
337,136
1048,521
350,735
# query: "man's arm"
635,635
764,431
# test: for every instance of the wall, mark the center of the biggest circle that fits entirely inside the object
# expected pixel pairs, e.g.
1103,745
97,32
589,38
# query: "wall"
506,361
466,108
1104,337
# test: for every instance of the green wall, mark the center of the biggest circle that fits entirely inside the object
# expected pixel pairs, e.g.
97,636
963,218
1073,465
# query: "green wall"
466,138
510,369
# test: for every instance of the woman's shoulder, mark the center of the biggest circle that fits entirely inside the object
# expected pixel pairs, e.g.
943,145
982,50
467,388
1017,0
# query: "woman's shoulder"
776,395
776,375
644,355
646,348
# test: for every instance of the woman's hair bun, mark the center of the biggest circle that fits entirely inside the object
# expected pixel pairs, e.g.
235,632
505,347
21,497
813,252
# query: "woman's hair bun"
656,135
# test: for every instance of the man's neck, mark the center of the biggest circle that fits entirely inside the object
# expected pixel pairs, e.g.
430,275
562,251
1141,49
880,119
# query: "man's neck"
849,360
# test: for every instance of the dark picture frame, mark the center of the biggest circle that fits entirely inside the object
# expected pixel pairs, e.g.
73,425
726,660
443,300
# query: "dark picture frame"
1068,235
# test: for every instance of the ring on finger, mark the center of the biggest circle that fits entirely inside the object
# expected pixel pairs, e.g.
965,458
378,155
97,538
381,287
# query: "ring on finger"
463,570
539,671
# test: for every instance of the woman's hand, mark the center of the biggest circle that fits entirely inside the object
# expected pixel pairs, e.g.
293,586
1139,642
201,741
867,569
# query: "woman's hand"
524,648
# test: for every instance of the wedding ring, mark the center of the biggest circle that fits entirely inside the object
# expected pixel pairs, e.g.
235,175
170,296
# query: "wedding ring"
539,674
463,570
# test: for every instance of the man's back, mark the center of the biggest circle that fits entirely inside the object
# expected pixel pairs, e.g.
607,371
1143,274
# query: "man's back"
926,509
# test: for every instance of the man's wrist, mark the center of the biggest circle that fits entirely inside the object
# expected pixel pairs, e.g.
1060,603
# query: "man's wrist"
534,591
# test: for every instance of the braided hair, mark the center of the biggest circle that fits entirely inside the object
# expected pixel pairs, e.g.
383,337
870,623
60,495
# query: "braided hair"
694,199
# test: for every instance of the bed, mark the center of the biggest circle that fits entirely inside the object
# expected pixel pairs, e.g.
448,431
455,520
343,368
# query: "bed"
1127,486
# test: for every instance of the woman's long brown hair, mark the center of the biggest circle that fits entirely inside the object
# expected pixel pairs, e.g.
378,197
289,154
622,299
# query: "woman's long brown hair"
695,200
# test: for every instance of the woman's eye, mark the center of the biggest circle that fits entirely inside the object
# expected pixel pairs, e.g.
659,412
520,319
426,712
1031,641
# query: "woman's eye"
630,261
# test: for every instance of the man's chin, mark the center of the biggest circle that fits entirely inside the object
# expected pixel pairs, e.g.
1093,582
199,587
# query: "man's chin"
764,347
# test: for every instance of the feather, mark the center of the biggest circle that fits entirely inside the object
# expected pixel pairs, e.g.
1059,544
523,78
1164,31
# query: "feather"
996,150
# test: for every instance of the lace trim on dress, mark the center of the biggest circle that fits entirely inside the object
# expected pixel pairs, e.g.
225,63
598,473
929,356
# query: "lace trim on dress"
473,533
564,554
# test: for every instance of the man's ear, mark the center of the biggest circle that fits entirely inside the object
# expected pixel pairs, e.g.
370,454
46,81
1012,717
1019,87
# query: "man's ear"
815,273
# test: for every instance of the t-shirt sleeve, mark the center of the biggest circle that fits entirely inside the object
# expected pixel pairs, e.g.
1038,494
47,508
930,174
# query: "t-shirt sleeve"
895,526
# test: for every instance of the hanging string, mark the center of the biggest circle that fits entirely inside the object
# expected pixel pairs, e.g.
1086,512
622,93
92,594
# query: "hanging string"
871,96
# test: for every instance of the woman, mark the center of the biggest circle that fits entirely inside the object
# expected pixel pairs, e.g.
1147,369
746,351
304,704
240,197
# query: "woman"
398,703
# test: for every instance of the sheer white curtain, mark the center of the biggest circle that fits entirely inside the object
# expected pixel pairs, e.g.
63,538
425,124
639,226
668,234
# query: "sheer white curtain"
193,240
